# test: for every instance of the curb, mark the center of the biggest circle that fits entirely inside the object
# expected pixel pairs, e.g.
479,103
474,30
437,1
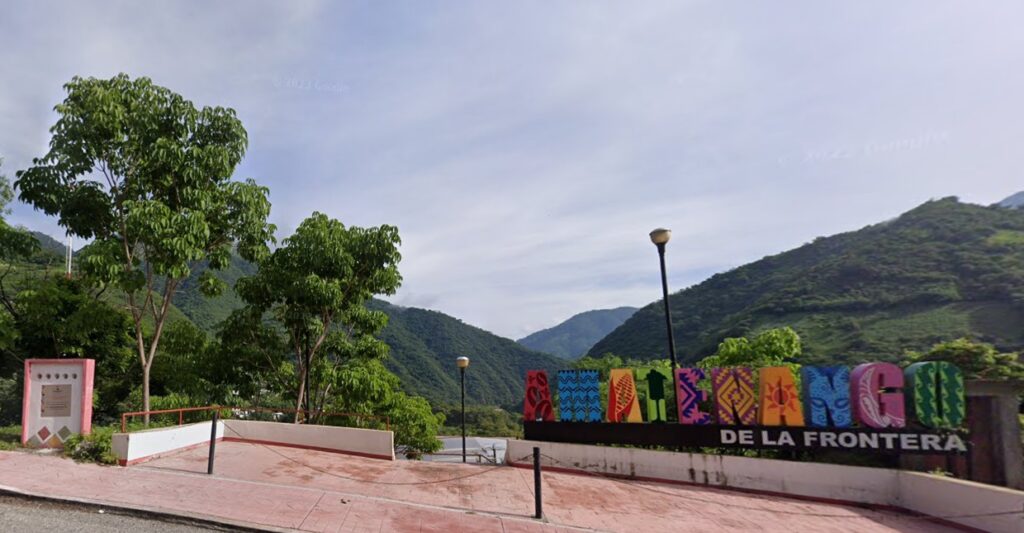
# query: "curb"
150,513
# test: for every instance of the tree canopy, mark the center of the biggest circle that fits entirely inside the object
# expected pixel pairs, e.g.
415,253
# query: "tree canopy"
147,175
316,286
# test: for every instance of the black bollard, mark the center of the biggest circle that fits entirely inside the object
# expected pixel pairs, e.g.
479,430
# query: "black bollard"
537,499
213,441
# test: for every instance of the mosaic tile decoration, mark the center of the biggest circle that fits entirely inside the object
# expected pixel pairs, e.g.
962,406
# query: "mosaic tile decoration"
64,433
43,434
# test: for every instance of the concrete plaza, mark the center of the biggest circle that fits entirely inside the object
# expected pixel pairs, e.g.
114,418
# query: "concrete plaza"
280,488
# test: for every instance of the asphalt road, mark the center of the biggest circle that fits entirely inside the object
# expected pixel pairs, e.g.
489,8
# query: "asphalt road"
17,514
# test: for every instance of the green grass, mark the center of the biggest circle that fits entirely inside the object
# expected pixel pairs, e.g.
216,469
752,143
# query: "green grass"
1006,238
10,438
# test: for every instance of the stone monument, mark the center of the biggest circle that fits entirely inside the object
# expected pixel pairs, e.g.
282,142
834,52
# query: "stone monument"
57,402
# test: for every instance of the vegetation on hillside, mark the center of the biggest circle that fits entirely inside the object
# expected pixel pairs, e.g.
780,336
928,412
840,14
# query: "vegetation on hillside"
942,271
424,345
572,338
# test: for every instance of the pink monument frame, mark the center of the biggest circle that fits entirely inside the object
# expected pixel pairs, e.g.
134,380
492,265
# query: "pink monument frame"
33,366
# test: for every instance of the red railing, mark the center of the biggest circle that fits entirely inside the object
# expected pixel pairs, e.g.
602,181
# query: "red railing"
182,410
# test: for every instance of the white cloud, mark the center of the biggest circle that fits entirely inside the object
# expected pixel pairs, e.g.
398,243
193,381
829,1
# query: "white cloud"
525,150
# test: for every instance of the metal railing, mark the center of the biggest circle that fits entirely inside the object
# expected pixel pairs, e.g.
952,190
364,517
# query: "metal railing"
244,411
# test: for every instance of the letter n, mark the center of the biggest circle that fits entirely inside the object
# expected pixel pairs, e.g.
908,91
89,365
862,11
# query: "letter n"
826,395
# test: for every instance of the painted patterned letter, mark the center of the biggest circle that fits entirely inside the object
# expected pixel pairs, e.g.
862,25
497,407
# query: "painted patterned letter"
826,394
734,396
937,398
579,395
656,396
877,395
537,404
623,405
779,400
688,396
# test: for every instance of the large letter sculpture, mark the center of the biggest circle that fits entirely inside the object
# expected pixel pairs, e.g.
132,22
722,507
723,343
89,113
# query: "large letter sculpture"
579,395
688,396
877,395
734,396
779,401
537,404
623,405
656,396
938,398
826,393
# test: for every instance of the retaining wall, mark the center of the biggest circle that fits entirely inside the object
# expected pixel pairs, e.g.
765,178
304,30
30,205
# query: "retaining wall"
138,446
922,493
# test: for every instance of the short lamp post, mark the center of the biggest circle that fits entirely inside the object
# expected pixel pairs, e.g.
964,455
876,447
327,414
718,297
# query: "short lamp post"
660,238
463,362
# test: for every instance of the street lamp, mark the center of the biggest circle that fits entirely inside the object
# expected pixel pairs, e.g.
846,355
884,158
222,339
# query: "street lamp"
463,362
660,238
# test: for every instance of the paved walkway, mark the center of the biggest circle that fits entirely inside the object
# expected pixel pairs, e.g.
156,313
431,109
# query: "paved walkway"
285,488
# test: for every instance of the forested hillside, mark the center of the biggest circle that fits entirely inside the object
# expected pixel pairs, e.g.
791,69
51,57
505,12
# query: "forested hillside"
424,345
938,272
575,336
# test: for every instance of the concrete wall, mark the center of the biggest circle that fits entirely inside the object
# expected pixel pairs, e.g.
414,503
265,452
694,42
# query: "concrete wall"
131,448
138,446
923,493
365,442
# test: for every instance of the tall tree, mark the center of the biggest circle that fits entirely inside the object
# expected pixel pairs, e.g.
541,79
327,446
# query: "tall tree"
316,286
147,176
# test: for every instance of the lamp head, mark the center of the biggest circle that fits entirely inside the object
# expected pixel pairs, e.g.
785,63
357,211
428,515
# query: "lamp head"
462,362
661,236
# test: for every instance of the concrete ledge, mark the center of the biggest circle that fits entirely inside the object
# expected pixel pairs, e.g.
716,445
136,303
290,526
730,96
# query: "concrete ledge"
365,442
926,494
139,446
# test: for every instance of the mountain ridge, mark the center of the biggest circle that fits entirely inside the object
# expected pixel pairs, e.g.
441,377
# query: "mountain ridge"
572,337
942,270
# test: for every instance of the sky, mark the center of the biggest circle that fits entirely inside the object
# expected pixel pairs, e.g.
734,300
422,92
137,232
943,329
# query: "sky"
526,149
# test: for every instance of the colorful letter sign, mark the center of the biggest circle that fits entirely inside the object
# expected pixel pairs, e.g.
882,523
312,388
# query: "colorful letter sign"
780,402
938,394
734,395
623,405
877,395
579,395
537,404
826,393
838,408
688,396
656,396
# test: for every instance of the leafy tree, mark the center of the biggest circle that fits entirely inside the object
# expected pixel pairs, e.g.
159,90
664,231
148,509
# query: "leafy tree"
164,199
366,386
316,286
773,347
975,359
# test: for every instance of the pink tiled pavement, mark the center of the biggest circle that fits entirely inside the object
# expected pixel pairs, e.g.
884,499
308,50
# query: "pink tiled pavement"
307,490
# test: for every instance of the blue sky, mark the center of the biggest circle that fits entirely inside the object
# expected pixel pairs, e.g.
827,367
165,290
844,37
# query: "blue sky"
525,149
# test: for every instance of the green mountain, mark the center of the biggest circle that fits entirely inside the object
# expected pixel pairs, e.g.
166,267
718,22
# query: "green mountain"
941,271
424,345
572,338
208,312
1016,200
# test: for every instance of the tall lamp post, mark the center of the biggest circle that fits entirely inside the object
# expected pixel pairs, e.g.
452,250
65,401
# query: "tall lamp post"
660,238
463,362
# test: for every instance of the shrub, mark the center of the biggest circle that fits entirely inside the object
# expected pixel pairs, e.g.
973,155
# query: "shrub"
94,448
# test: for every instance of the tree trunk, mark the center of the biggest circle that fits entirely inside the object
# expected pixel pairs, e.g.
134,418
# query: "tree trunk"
298,401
